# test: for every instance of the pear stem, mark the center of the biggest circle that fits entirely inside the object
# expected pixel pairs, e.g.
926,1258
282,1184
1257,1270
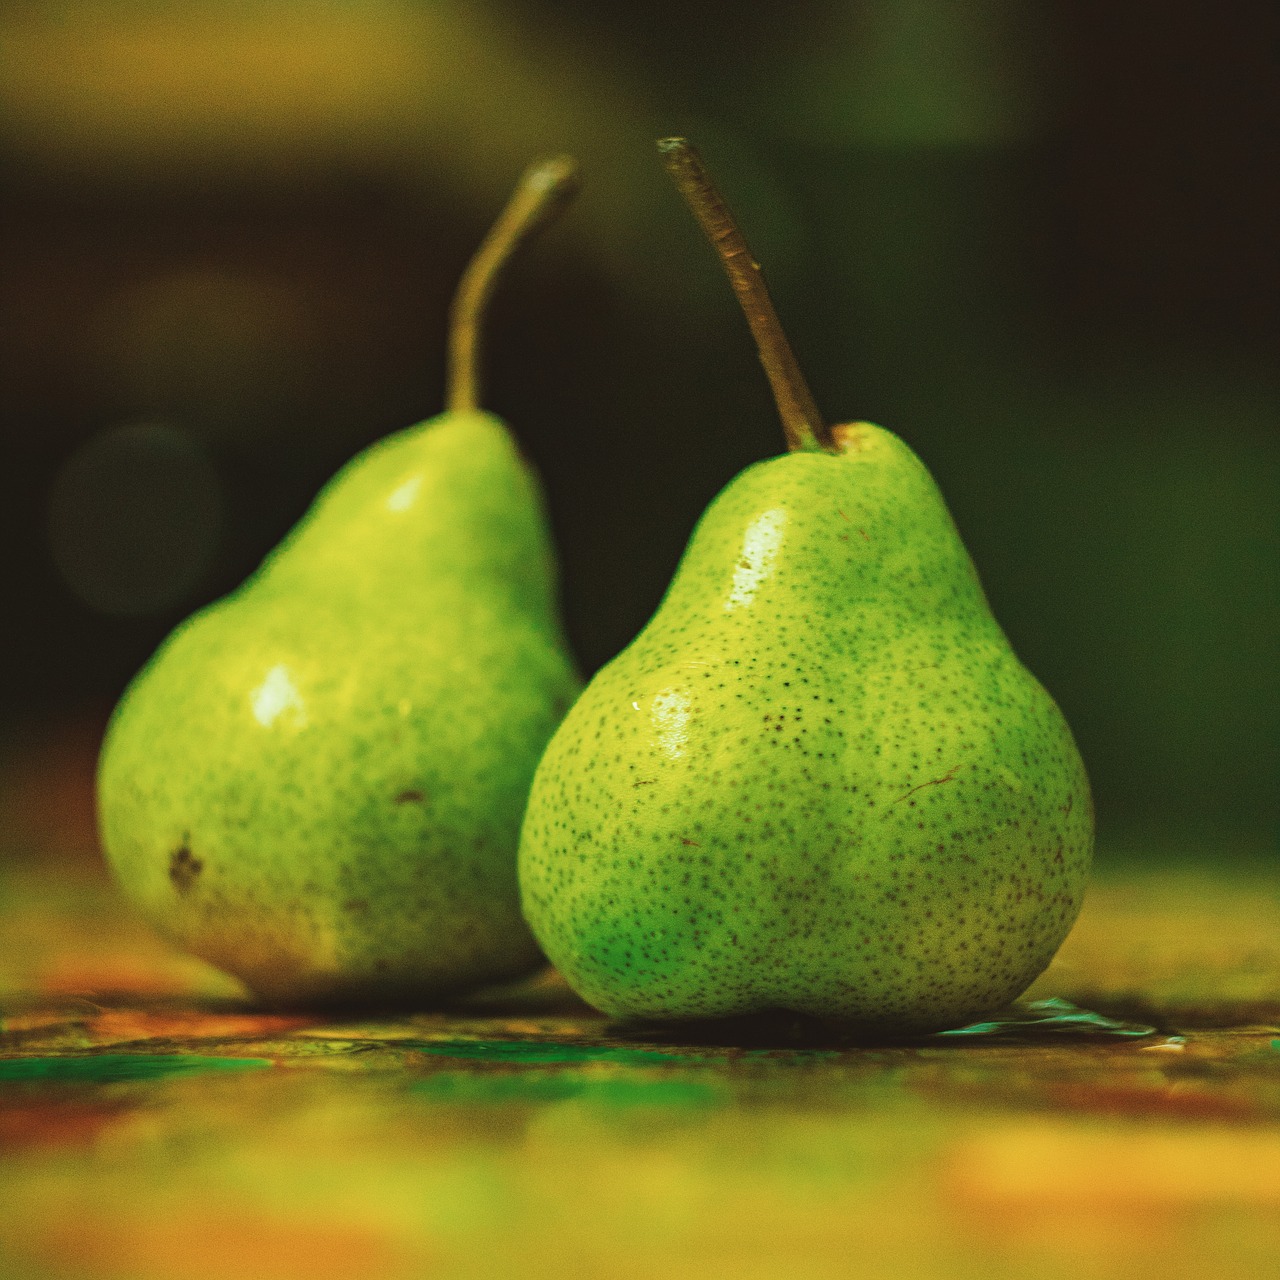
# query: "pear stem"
543,191
801,421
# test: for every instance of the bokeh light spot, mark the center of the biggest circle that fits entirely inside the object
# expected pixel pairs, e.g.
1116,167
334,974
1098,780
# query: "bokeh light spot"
134,518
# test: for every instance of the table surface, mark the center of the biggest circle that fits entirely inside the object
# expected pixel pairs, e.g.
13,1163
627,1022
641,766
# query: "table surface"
154,1125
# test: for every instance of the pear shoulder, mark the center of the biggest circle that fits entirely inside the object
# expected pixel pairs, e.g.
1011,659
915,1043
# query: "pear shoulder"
866,528
451,496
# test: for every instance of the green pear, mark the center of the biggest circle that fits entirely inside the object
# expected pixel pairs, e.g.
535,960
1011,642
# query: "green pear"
819,780
317,782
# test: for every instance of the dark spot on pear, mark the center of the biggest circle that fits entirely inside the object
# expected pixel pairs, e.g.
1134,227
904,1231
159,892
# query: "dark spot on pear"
412,796
184,868
356,905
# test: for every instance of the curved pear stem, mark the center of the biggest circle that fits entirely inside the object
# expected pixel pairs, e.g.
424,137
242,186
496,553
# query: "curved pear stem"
803,424
543,191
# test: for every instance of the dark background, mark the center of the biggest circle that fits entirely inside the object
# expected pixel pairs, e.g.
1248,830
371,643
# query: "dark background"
1036,239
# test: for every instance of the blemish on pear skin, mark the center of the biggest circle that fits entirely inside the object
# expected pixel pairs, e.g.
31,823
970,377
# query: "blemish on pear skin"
852,437
932,782
410,796
184,868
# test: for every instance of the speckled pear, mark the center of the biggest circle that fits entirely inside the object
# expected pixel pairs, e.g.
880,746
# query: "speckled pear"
819,780
317,782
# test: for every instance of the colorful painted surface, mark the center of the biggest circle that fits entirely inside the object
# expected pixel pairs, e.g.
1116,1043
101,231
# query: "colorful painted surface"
1123,1122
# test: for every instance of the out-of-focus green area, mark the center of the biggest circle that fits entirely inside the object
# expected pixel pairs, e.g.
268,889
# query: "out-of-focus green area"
1036,239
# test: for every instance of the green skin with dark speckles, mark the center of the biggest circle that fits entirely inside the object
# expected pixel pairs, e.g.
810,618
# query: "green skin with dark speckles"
317,783
819,780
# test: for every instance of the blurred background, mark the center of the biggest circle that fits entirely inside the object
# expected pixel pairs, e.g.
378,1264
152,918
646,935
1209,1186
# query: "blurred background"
1036,239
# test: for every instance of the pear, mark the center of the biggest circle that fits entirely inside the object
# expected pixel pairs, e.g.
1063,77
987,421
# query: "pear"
317,782
819,780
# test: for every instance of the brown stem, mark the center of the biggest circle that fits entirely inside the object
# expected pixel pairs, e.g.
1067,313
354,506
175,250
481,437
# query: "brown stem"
801,421
542,192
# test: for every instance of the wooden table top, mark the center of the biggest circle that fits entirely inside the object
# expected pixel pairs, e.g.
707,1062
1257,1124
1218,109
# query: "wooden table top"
155,1126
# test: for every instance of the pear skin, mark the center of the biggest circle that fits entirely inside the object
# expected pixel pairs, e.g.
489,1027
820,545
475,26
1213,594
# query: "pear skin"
819,780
